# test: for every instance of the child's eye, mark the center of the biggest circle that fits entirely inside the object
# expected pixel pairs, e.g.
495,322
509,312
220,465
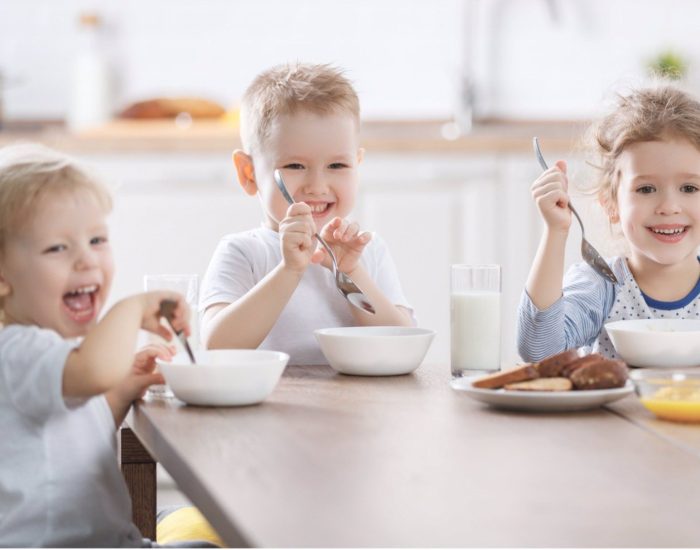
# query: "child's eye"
98,240
645,189
55,248
689,188
337,165
293,166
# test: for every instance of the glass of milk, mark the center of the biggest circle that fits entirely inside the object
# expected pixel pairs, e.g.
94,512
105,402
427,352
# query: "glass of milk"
475,319
188,286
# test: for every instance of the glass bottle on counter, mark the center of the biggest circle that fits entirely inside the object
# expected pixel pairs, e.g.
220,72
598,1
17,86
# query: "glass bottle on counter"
91,98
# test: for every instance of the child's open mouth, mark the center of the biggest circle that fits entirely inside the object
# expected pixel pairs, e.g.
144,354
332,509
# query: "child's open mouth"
320,209
80,303
669,233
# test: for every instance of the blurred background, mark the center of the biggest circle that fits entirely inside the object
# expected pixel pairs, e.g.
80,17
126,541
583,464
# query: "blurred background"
452,92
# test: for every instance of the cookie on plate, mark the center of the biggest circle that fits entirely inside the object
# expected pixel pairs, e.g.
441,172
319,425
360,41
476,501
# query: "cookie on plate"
508,376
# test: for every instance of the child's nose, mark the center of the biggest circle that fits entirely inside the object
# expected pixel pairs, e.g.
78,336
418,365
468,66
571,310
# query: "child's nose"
314,183
86,259
669,204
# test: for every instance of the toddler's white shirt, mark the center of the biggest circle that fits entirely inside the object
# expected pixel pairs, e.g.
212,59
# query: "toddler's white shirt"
241,260
60,484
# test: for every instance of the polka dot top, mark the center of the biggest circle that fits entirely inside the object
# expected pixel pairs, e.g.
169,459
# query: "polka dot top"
578,318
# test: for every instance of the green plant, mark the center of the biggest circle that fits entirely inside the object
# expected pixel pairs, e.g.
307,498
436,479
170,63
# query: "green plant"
669,64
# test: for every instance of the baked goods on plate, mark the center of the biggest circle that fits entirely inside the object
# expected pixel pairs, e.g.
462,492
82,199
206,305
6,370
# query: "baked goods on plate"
563,382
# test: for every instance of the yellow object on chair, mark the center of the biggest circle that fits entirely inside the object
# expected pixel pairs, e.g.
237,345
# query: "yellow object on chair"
186,524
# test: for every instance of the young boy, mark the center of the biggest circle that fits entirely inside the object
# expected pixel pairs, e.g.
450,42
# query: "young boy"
62,399
271,287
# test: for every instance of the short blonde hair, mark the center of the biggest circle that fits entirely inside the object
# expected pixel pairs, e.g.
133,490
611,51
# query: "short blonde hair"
28,172
645,114
286,89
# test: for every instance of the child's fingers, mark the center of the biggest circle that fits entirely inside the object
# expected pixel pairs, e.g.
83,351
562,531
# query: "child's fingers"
298,209
555,197
297,239
318,256
340,229
328,230
364,237
549,176
548,188
160,351
300,226
351,231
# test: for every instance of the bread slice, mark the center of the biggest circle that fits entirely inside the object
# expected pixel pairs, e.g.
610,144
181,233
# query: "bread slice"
552,366
600,375
542,384
508,376
589,359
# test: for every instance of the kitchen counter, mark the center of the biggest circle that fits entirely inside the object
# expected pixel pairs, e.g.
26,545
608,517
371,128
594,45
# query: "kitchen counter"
127,136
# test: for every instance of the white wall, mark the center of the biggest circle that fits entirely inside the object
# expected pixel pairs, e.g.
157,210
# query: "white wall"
405,57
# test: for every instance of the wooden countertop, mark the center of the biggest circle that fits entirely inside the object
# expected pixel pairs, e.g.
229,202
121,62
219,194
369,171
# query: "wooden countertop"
126,136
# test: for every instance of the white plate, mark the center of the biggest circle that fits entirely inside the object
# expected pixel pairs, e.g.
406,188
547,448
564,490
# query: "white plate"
543,401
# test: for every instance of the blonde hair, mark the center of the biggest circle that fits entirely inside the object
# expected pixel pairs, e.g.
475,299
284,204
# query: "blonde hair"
646,114
30,171
286,89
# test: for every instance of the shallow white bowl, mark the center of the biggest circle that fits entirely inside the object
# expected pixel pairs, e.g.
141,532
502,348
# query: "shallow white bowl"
374,351
225,377
672,343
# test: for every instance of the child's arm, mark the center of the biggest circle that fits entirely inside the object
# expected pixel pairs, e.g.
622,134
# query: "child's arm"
573,321
136,383
105,356
247,322
348,242
544,283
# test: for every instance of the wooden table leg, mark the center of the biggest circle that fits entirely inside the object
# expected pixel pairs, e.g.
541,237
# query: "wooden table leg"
139,470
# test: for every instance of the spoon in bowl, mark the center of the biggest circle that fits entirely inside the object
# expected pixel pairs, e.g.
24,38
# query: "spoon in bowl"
167,310
590,255
345,284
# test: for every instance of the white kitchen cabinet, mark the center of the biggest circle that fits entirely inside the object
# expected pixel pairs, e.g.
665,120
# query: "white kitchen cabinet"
432,209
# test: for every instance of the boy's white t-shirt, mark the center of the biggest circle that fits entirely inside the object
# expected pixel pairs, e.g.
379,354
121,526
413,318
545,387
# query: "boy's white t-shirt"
60,484
241,260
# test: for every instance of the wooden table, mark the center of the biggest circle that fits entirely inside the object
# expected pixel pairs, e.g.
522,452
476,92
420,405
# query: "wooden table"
333,460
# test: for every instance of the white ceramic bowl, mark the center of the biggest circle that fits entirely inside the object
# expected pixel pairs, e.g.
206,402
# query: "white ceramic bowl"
225,377
374,351
672,343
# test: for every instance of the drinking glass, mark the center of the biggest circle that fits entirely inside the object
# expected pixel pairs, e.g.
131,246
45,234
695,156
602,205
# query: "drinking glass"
475,319
188,286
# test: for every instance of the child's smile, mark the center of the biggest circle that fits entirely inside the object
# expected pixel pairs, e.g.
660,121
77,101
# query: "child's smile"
80,303
56,272
659,201
669,233
318,156
319,209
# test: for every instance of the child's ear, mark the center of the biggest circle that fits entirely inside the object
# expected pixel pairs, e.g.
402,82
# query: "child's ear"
360,155
246,174
610,209
5,287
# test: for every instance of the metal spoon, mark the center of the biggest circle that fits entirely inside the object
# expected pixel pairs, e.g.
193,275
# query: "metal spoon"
590,255
167,310
345,284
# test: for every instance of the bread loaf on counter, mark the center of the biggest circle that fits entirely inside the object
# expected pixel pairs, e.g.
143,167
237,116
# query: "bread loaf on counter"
171,107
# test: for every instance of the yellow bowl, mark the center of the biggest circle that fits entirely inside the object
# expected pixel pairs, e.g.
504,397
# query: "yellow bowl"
669,394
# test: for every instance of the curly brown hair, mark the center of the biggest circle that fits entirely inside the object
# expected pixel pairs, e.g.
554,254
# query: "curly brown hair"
652,113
